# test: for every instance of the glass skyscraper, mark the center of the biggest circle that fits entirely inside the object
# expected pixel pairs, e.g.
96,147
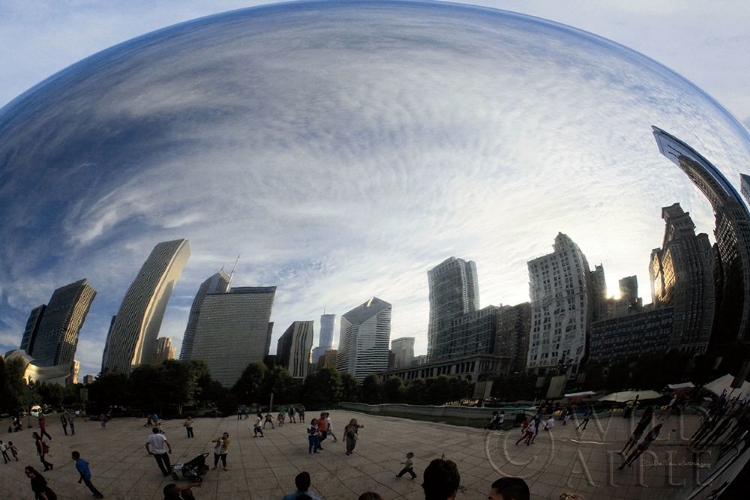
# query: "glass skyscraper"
218,283
365,337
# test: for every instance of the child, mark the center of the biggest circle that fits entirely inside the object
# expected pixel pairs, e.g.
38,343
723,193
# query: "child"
4,450
280,419
13,450
408,466
550,423
269,420
103,421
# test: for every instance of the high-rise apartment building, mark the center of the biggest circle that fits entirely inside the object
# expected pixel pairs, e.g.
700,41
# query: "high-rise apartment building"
732,233
681,273
164,350
57,335
293,348
32,328
325,342
454,292
234,329
513,325
403,352
471,334
365,335
560,307
218,283
132,338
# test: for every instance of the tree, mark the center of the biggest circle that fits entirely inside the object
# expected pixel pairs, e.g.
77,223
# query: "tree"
109,389
249,387
51,394
415,391
278,381
394,390
372,389
14,383
459,389
438,390
350,389
322,389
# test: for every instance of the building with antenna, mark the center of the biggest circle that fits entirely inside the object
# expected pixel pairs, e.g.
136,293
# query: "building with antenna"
325,343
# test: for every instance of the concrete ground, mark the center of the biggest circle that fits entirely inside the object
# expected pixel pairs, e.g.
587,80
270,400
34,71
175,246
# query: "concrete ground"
563,460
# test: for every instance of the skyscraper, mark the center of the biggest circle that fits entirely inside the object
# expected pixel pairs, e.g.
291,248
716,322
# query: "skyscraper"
164,350
132,338
218,283
293,348
682,276
32,328
326,336
365,335
629,293
403,350
454,291
732,234
513,324
598,294
560,307
234,330
57,336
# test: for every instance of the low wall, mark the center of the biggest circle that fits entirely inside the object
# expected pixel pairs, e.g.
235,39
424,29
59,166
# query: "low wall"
462,412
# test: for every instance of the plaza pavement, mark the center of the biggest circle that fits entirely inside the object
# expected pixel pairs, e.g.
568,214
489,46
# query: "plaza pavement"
264,468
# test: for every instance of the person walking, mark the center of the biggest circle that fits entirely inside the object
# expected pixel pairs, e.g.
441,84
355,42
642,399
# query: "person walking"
637,433
351,435
39,485
257,429
641,448
313,437
568,414
42,449
323,429
43,426
82,467
13,450
268,420
155,445
220,451
4,451
189,427
301,411
103,421
408,466
71,417
64,423
330,428
586,418
526,431
292,412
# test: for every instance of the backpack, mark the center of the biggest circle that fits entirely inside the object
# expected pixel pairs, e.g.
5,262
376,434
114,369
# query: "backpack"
45,448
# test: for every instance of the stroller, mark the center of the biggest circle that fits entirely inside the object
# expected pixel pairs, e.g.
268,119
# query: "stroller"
192,470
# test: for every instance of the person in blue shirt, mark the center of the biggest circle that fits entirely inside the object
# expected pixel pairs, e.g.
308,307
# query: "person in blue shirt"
302,482
82,467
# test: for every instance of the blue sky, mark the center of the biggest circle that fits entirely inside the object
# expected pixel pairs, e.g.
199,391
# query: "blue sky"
338,188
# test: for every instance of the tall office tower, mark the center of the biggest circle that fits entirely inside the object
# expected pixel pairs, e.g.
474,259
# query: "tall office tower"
88,379
365,335
454,291
32,328
234,330
132,339
293,348
57,337
218,283
403,351
326,336
164,350
682,273
560,307
598,295
74,371
745,187
629,294
471,334
513,325
732,233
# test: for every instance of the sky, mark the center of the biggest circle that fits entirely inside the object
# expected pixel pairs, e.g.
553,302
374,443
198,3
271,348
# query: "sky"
318,225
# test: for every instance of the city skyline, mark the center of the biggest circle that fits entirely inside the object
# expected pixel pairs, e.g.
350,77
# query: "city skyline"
489,174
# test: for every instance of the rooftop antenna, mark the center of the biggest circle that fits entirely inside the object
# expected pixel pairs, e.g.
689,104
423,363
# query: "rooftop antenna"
231,275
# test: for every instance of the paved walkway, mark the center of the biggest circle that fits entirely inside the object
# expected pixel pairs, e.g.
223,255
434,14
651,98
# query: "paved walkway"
264,468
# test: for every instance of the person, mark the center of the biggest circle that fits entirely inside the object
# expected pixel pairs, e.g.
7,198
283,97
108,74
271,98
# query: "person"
4,451
301,412
313,437
149,421
39,485
257,428
13,450
492,424
64,423
351,435
17,424
550,423
189,427
292,413
220,451
82,467
568,414
330,428
638,432
667,411
641,448
408,466
322,429
571,496
174,492
43,426
509,488
71,417
586,418
302,482
370,495
42,449
280,418
268,420
103,421
155,446
527,431
441,480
